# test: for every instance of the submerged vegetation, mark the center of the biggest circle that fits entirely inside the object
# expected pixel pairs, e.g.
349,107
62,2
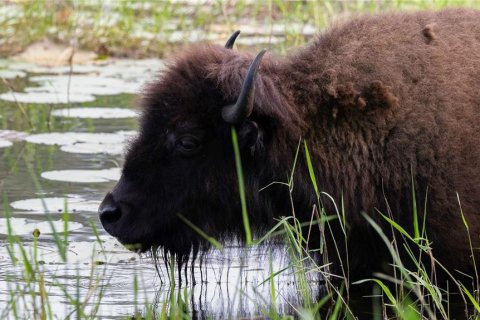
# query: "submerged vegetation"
37,287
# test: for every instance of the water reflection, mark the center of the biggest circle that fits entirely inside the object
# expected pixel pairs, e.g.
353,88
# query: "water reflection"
102,278
236,283
113,283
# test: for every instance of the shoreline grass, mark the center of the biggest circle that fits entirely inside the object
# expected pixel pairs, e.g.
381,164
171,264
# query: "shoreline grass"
131,28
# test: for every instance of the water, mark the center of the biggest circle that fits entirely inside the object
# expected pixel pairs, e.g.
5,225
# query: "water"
70,157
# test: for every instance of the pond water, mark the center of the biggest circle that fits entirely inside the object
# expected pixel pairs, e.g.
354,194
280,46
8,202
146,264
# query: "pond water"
61,142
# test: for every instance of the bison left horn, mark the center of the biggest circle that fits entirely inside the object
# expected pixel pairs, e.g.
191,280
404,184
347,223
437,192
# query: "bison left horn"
241,110
231,40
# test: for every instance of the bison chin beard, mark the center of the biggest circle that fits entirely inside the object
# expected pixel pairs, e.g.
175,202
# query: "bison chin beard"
177,240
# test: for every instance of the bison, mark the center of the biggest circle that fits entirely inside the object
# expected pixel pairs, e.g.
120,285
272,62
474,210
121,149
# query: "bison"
388,105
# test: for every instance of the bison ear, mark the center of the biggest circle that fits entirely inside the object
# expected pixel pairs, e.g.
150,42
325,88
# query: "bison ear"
250,136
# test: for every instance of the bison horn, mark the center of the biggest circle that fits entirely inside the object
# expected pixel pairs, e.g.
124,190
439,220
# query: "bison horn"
231,40
241,110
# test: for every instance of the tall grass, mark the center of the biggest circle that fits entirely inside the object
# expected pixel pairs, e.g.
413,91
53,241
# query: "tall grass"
151,28
241,188
31,296
31,288
410,293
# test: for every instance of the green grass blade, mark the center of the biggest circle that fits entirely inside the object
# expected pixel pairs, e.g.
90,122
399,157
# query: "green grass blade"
475,303
212,240
398,227
461,213
295,160
26,262
310,170
338,305
10,235
241,187
416,228
61,245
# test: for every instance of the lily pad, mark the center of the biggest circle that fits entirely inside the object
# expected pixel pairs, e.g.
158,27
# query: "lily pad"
83,176
57,204
83,90
46,97
92,148
5,143
139,71
132,70
85,84
76,69
95,113
69,138
139,64
22,226
12,74
12,135
19,65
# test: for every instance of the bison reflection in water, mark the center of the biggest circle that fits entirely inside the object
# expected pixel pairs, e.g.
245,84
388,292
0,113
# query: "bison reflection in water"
378,100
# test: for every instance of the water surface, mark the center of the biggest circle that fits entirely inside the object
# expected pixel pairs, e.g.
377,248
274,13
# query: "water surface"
61,143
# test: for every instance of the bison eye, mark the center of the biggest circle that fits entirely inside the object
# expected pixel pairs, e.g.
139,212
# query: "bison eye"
188,145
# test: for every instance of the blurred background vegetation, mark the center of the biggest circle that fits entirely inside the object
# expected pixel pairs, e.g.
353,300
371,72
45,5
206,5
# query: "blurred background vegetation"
141,28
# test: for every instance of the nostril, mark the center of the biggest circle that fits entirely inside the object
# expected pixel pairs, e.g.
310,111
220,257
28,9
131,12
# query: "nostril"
110,214
109,211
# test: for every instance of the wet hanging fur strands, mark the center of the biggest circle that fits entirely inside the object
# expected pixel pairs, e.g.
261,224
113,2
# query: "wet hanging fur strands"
192,265
181,261
154,253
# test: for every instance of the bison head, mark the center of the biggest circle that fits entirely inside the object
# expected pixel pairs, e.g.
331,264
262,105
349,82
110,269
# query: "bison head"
182,162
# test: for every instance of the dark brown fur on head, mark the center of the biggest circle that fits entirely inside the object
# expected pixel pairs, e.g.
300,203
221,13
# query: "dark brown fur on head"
376,104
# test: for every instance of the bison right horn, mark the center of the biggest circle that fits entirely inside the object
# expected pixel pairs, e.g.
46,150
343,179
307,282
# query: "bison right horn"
231,40
241,110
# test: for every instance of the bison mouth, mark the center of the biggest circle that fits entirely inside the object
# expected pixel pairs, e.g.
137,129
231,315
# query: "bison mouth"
180,241
117,220
132,243
135,247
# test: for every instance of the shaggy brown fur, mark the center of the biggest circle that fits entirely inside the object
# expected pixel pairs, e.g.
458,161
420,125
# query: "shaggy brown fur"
401,103
378,99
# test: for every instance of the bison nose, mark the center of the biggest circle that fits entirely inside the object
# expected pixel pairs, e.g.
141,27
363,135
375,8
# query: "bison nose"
109,211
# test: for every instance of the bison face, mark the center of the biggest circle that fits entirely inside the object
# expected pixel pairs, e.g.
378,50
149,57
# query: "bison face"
181,166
